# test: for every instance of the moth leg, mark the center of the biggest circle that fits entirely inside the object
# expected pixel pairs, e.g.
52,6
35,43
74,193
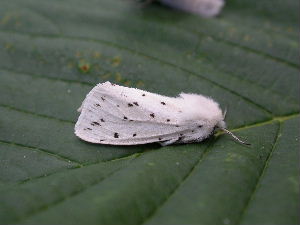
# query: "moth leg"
168,142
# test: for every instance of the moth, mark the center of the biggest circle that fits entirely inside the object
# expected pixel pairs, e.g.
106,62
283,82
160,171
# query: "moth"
204,8
117,115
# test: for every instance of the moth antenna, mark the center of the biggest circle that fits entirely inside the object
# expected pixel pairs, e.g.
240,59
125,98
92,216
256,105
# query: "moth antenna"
224,113
234,137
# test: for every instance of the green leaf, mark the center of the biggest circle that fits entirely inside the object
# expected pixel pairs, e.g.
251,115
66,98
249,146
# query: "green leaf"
53,52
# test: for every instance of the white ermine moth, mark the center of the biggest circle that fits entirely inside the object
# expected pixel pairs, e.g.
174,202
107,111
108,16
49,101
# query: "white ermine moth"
117,115
205,8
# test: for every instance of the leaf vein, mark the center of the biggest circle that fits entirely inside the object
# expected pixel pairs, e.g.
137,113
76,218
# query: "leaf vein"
201,158
45,151
242,214
246,48
105,42
46,207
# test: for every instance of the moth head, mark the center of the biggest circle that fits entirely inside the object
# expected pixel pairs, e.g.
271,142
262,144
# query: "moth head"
221,124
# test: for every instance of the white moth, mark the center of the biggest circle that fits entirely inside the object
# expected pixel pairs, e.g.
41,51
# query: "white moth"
117,115
205,8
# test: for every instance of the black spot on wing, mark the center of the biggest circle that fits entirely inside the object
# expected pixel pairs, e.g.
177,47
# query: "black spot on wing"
179,139
136,103
95,123
163,103
130,105
116,135
152,115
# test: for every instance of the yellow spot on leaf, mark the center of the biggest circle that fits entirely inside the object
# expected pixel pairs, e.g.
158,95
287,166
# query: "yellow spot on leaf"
247,38
127,83
84,66
96,55
8,46
105,76
140,84
118,77
116,61
78,54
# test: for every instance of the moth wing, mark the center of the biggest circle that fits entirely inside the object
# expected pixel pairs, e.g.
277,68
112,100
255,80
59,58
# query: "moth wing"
113,114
